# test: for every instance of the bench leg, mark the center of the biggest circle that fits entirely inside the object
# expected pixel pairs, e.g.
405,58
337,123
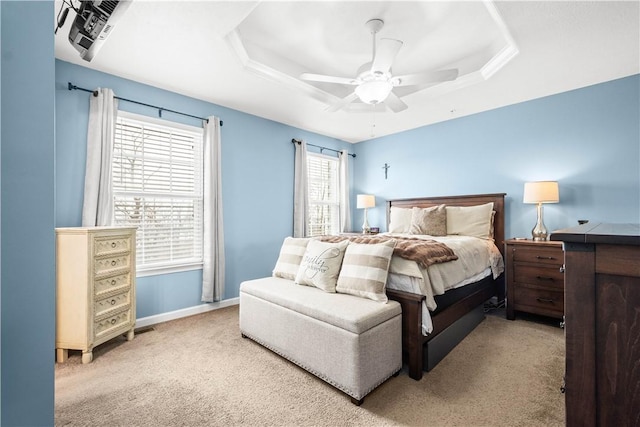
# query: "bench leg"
357,402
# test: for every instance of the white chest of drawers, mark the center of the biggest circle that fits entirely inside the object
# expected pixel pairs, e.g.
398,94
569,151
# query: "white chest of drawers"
95,287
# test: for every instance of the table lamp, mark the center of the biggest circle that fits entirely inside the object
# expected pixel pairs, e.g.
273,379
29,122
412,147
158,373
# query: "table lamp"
540,192
364,201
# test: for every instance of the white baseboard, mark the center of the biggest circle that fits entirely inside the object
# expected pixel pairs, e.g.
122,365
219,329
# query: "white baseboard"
185,312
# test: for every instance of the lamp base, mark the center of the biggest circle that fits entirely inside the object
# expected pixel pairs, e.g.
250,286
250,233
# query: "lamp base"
539,232
365,225
540,237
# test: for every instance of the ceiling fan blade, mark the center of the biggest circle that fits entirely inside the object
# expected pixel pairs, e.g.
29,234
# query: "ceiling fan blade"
340,104
386,52
427,77
328,79
394,103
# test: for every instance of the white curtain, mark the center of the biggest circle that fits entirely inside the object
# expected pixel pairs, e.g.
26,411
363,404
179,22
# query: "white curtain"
97,208
213,255
300,193
343,178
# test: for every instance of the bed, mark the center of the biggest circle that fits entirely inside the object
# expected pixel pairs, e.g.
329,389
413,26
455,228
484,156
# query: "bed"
459,309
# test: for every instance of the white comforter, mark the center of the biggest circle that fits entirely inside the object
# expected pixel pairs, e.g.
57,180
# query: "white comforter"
477,258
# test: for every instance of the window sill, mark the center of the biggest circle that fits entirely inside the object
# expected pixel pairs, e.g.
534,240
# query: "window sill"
167,269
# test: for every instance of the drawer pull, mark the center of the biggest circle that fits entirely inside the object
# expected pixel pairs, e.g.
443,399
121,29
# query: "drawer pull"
113,262
544,278
548,300
113,301
562,269
544,257
113,321
113,282
113,244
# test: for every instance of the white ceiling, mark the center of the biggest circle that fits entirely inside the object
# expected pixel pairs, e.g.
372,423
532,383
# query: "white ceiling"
248,55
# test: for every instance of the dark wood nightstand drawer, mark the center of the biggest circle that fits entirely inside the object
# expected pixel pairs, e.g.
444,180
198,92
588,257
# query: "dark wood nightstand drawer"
542,276
539,301
539,256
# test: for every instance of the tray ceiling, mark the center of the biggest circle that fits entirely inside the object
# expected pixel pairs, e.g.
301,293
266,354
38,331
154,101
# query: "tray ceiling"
249,55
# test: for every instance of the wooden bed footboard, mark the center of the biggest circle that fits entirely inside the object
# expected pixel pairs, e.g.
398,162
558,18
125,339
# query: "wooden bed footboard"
413,341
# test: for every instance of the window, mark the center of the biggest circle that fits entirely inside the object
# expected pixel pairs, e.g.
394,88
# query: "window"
324,201
158,187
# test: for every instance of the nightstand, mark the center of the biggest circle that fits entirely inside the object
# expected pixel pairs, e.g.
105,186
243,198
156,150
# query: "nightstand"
535,281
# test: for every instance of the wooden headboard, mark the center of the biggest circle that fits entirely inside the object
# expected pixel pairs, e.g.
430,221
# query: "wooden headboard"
471,200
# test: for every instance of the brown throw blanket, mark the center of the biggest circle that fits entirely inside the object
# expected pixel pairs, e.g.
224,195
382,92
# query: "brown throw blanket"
424,252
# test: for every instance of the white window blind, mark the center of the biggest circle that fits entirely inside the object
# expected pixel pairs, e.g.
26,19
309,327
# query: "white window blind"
158,187
324,200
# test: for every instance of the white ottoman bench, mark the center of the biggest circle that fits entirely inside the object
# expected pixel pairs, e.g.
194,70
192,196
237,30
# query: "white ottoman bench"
353,343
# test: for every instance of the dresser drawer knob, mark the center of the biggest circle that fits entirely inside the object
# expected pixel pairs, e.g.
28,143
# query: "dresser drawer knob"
113,282
113,244
547,300
113,262
113,301
113,321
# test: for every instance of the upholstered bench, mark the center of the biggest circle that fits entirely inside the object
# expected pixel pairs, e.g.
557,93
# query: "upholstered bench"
353,343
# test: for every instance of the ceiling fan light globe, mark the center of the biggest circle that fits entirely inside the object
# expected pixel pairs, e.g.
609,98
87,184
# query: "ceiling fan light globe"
374,92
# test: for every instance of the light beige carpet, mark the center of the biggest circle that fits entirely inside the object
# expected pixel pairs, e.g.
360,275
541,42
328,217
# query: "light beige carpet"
198,371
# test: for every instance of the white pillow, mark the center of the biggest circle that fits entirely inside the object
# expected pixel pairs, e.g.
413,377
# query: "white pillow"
470,220
320,264
400,220
290,257
365,269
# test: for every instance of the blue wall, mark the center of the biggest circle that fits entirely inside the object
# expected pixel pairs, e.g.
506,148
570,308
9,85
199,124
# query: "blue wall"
28,268
257,180
587,139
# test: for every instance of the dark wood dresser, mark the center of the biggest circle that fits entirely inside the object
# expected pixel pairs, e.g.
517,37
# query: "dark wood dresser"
602,324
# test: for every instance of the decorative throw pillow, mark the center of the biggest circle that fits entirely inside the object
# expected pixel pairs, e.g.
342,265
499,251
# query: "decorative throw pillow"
365,269
431,221
290,257
399,220
470,220
320,264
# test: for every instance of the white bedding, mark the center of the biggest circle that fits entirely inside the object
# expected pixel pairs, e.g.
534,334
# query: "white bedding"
477,258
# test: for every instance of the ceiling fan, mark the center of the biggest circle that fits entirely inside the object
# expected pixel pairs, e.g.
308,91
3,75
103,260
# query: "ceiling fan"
374,82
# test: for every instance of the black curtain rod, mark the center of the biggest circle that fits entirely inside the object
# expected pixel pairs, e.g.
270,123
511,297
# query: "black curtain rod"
160,109
295,141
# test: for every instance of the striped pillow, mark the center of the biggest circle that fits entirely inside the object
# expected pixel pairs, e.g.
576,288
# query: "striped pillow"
290,257
364,270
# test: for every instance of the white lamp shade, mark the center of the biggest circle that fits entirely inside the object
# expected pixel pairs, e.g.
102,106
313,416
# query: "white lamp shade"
373,92
541,192
365,201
